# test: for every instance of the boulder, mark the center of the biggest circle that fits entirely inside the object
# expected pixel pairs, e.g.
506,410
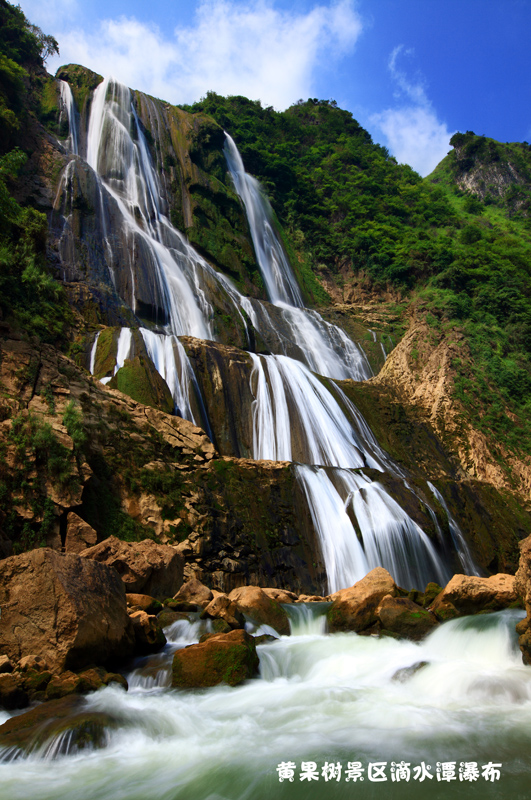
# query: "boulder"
263,610
67,610
143,602
148,633
224,658
43,724
144,567
79,534
12,695
354,609
281,595
402,616
222,608
6,665
468,594
193,592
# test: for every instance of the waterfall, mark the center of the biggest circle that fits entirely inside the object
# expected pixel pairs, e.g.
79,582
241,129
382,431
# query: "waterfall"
463,551
69,106
274,265
296,416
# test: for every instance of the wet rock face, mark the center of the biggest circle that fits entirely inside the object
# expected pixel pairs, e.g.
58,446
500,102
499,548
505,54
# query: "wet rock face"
224,658
69,610
145,567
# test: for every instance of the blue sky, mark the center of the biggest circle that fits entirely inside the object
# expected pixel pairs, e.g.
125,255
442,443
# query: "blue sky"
411,71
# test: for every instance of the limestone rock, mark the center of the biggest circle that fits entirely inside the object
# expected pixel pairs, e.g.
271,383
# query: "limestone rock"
79,534
469,594
68,610
354,609
193,591
402,616
224,658
12,695
143,602
222,608
6,665
46,721
281,595
263,610
148,633
144,567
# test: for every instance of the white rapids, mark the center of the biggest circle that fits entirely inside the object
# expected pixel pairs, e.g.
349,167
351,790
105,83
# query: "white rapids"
461,695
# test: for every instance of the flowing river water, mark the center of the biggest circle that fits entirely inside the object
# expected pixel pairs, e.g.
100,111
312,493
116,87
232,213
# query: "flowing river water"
459,699
461,696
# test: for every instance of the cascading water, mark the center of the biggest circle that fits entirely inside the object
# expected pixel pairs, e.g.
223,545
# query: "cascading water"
460,696
295,416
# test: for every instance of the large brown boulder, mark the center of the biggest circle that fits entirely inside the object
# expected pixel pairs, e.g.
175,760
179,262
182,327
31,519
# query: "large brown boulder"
149,637
402,616
468,594
224,658
224,609
79,534
195,593
144,567
354,609
263,610
68,610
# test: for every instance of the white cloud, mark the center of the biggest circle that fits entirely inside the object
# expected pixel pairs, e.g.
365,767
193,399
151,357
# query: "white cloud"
414,134
255,50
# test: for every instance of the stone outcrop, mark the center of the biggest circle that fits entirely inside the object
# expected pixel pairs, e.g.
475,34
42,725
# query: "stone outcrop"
224,658
354,609
144,567
68,610
263,610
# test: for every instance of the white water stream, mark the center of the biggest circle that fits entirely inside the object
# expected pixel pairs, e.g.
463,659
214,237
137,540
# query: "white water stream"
461,695
295,416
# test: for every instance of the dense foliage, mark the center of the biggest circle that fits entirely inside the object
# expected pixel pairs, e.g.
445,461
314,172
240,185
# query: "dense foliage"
465,258
30,298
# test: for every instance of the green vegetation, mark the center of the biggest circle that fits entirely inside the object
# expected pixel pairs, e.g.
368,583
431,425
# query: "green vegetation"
30,297
37,460
462,259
